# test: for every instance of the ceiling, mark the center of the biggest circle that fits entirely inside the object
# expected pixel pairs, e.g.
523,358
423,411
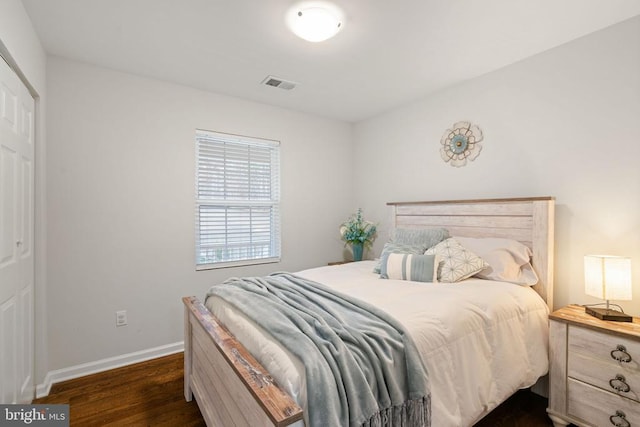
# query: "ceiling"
387,54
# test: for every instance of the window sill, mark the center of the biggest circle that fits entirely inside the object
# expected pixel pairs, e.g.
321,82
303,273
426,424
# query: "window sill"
242,263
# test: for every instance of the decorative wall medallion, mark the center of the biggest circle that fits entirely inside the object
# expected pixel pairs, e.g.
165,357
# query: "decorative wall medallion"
460,142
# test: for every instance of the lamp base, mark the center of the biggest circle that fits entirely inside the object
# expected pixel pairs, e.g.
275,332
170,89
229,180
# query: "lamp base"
608,314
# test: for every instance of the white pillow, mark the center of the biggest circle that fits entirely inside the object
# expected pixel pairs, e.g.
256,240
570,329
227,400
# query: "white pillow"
456,261
509,260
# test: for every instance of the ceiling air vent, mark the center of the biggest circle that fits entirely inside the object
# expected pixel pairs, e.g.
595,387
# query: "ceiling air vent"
279,83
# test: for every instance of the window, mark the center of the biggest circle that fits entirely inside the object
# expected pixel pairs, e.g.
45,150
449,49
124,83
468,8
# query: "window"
237,200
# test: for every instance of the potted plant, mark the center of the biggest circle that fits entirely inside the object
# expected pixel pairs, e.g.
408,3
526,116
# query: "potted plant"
358,233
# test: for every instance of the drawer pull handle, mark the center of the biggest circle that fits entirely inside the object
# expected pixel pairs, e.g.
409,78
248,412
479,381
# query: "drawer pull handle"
619,419
620,354
619,383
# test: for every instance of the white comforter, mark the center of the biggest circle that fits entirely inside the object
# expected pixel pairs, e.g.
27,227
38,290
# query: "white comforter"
480,340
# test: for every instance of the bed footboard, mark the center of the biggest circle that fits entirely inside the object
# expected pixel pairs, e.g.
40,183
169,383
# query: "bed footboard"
230,386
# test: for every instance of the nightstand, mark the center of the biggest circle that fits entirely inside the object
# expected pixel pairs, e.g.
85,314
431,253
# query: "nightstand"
594,370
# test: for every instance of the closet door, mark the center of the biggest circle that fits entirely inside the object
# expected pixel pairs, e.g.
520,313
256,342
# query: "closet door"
16,239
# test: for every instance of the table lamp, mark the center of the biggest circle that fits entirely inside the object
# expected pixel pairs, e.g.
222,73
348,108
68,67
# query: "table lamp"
609,278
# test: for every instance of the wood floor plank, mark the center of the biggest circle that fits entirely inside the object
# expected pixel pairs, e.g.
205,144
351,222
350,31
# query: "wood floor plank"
144,394
151,394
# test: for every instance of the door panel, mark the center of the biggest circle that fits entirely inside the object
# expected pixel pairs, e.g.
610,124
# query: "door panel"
16,239
8,206
25,221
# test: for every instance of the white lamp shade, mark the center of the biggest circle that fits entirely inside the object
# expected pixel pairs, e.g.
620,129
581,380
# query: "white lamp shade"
315,21
607,277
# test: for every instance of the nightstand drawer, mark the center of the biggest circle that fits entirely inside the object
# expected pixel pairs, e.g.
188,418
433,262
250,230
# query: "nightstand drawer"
605,347
600,408
614,377
585,355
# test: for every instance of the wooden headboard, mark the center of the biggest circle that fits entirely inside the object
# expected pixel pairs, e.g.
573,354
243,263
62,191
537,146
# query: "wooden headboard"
528,220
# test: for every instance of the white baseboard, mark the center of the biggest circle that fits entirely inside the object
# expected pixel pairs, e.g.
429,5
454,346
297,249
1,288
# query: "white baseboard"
77,371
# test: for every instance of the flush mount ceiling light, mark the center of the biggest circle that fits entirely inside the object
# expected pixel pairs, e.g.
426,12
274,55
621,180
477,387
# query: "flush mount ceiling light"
315,21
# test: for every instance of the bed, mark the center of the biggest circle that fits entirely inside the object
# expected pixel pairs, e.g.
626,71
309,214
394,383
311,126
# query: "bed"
233,388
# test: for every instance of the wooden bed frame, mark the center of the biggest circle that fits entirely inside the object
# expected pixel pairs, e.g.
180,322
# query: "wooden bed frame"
233,389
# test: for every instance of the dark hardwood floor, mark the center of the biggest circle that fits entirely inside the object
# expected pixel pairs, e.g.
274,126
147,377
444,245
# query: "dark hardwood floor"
523,409
144,394
151,394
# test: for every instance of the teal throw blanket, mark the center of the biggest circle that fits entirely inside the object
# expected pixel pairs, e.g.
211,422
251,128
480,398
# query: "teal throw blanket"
361,366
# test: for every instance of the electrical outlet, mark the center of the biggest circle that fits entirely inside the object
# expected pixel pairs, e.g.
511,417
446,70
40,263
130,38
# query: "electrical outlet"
121,318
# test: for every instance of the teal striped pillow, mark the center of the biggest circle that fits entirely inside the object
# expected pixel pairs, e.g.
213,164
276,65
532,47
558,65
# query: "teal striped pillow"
390,248
417,268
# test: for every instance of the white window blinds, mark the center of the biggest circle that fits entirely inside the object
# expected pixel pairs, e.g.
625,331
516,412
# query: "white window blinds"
237,200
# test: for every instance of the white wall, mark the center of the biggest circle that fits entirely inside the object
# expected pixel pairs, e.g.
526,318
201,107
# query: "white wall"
20,39
20,45
121,164
563,123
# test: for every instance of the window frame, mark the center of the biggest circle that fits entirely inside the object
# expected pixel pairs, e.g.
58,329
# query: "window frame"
220,140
